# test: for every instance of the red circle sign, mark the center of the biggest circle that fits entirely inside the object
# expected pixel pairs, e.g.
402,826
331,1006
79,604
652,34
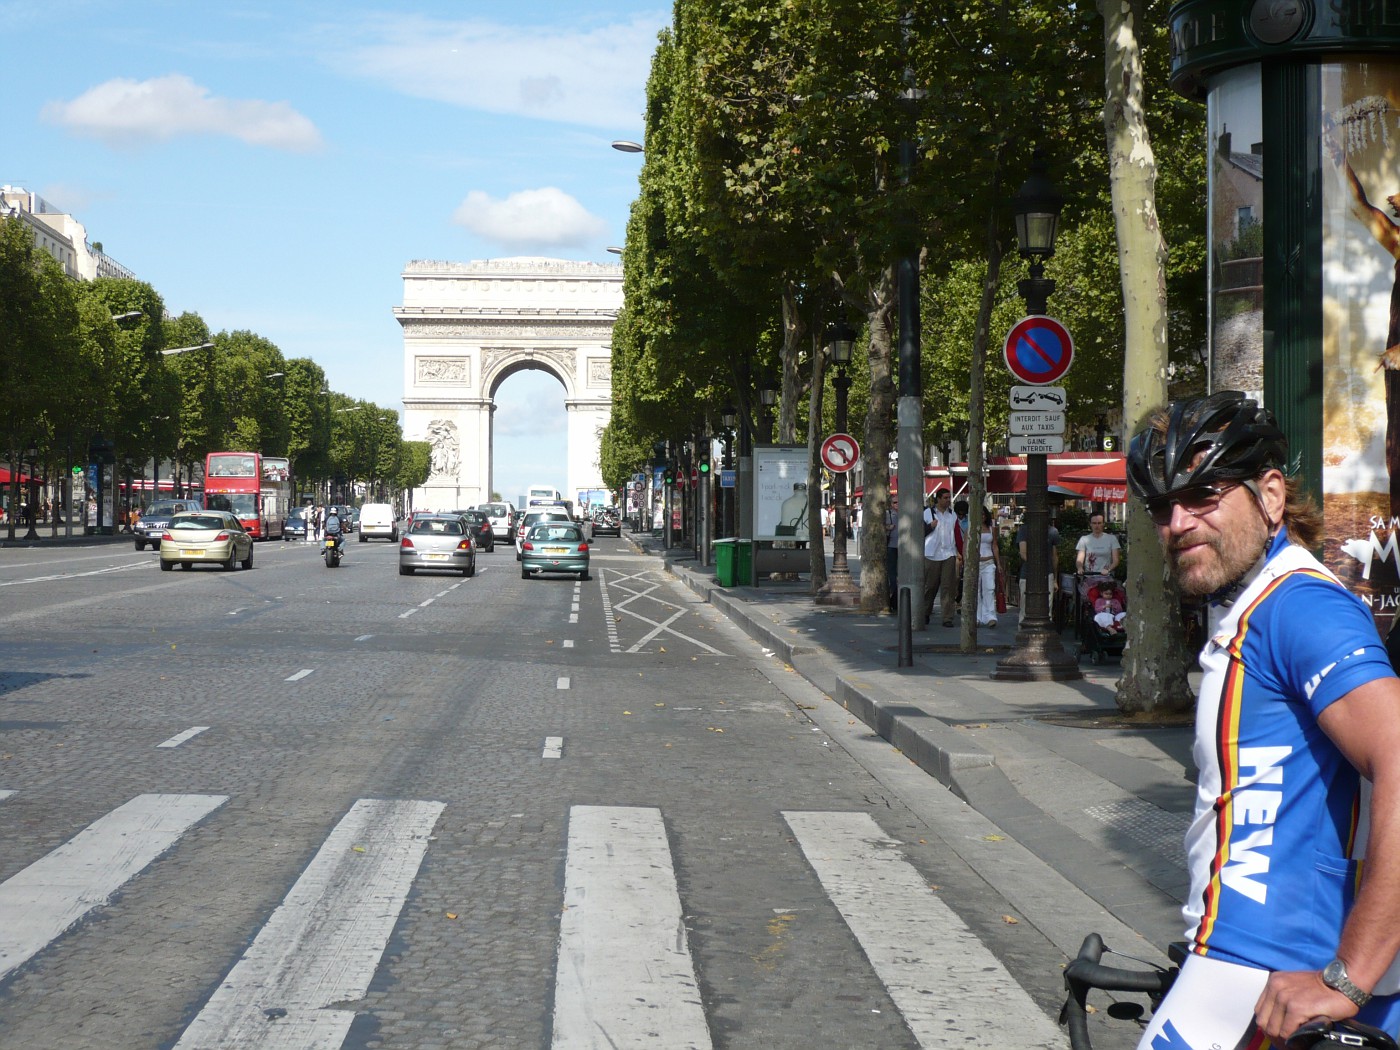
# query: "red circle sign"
1038,350
840,452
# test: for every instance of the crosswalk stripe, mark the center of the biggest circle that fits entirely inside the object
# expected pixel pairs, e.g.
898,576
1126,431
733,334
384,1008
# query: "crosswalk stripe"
947,985
5,794
323,943
39,903
624,976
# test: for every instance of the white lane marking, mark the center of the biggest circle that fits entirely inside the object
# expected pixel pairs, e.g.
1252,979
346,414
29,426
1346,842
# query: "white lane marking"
180,738
364,638
5,794
300,675
553,747
568,643
39,903
942,978
406,615
324,942
574,607
563,683
442,594
624,975
573,617
75,575
427,602
234,612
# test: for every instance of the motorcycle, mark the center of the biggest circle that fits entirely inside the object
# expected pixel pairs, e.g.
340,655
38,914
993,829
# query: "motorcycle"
331,551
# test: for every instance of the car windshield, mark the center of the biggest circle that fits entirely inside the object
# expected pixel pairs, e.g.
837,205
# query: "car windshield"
437,527
296,514
556,533
199,521
163,509
243,504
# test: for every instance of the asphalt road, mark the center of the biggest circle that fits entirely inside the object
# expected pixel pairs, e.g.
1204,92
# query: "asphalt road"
297,807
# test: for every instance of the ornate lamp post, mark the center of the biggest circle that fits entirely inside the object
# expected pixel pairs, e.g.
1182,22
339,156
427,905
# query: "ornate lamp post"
32,489
1038,655
768,397
840,589
730,418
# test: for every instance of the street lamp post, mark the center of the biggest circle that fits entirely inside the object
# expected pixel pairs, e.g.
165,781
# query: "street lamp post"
839,588
1038,654
31,510
730,417
768,397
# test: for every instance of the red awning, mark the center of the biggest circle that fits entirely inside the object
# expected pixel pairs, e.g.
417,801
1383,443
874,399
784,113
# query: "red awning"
5,476
1104,482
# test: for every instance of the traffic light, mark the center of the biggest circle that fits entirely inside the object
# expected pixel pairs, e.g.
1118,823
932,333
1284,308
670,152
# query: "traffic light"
670,477
704,465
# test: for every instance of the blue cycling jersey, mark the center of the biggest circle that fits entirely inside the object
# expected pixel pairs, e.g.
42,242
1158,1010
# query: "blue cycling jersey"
1280,822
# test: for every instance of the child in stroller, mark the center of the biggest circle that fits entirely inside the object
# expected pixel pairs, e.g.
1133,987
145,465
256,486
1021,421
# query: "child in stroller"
1102,605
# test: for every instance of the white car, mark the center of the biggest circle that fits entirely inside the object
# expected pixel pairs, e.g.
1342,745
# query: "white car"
502,515
377,519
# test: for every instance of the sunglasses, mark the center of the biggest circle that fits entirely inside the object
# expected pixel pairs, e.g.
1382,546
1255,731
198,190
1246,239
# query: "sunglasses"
1198,501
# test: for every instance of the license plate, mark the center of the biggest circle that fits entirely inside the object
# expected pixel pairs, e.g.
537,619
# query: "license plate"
190,554
556,550
436,557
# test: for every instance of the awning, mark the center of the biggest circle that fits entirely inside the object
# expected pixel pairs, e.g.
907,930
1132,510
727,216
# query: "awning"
24,479
1102,482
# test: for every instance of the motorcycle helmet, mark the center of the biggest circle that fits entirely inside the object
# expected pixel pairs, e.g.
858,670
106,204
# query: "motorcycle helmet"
1234,438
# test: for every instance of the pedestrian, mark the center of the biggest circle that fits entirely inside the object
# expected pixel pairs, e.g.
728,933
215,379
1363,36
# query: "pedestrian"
943,545
1297,744
988,568
892,554
1052,544
1097,553
316,519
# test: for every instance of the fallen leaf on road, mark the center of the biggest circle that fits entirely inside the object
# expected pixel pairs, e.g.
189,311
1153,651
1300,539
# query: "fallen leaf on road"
993,838
451,914
1011,920
627,712
658,705
358,849
713,729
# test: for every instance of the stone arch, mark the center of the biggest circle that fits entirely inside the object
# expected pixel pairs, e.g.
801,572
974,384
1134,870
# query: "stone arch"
468,327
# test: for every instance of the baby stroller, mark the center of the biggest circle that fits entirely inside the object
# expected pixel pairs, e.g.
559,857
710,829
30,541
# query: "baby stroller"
1103,635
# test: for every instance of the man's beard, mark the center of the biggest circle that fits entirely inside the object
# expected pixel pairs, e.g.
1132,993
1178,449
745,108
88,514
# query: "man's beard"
1217,562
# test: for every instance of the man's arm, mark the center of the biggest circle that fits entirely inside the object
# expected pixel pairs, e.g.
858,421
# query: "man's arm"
1117,555
1081,550
1365,725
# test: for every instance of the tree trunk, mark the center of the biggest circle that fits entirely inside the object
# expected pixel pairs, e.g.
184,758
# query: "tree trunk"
976,454
1155,661
795,327
876,445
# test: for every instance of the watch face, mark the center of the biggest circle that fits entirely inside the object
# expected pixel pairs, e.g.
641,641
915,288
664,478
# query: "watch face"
1334,971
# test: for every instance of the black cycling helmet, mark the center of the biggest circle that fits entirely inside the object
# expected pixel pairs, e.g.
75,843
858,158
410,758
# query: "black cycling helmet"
1239,440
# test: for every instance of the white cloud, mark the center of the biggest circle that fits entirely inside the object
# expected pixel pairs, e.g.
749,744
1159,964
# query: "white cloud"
543,218
126,112
594,77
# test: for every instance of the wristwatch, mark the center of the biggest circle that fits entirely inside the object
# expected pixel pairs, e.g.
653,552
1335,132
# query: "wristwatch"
1334,975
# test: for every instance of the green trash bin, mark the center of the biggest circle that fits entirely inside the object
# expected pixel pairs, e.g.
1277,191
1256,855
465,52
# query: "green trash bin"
724,562
743,562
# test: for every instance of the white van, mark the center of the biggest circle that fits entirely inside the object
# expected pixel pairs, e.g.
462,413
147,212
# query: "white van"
377,519
502,517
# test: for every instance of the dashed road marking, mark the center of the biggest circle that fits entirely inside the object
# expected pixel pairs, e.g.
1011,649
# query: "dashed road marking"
568,643
41,902
364,638
406,615
553,747
180,738
5,794
426,602
573,617
563,683
321,946
624,968
300,674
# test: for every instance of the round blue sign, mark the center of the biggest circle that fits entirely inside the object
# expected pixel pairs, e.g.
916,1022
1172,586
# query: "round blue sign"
1039,350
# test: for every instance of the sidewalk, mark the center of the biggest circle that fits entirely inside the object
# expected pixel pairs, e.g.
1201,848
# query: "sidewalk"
1054,765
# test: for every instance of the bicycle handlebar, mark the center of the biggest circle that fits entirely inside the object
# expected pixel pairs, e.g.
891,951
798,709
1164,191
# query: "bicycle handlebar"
1086,971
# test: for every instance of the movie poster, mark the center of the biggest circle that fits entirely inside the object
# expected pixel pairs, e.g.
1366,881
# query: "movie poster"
1360,168
1234,118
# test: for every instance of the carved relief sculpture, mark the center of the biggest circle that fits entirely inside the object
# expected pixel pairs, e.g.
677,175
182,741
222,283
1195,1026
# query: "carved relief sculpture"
443,370
445,457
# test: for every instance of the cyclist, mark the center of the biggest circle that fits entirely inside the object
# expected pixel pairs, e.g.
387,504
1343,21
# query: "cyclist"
1297,743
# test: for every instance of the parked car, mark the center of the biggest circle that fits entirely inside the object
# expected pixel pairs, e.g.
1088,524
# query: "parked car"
483,535
608,521
295,523
554,546
377,519
437,542
155,519
532,518
212,536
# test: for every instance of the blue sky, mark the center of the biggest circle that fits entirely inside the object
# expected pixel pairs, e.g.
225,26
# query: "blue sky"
273,166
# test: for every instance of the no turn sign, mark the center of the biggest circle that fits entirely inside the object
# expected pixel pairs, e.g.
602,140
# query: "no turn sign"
840,452
1039,350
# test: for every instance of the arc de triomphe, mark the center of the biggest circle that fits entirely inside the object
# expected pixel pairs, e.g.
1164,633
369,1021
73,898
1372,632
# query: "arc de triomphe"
469,326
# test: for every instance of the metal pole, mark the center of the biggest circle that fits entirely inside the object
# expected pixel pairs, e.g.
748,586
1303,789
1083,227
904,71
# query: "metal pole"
840,589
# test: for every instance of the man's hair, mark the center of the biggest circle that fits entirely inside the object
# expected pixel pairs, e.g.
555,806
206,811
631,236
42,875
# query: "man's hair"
1302,518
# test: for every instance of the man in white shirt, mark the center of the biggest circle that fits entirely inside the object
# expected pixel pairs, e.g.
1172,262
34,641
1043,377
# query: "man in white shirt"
1097,552
942,555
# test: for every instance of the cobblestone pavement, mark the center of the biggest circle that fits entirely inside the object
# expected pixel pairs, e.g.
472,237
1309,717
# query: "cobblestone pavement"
822,900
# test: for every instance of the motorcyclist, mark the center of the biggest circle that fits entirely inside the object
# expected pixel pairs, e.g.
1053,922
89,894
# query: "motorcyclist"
332,525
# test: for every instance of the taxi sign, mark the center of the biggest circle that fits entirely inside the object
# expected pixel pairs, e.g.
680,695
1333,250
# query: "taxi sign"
1024,423
1038,399
1038,350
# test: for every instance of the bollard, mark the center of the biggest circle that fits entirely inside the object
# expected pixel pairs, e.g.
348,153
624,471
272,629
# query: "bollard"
906,627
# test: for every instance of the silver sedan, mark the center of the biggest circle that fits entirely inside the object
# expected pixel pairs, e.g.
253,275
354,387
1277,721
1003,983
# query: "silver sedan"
439,542
213,536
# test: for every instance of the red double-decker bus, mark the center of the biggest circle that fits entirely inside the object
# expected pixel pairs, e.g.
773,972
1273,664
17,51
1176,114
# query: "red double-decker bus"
255,487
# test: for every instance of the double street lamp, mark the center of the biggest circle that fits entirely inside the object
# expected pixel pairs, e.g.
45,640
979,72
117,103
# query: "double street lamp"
1038,654
840,589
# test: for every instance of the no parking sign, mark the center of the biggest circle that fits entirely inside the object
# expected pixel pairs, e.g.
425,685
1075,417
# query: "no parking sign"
1038,350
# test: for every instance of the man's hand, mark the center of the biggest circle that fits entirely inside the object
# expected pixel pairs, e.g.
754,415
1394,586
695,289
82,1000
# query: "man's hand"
1291,1000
